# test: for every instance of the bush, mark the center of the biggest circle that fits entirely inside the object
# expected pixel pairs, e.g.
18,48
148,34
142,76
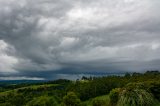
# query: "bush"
6,104
150,86
155,90
71,99
114,95
15,99
135,97
43,101
98,102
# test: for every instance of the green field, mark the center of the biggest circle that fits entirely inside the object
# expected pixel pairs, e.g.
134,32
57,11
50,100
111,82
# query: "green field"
34,87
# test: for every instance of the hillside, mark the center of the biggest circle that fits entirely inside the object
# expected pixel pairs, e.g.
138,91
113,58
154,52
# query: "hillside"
134,89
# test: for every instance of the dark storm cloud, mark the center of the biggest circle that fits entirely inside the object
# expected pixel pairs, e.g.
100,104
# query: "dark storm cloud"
47,38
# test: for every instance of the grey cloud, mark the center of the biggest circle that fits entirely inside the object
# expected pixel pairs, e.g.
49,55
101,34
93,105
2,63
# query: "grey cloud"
47,37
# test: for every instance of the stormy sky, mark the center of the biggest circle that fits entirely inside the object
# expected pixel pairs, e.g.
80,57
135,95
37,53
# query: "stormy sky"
50,39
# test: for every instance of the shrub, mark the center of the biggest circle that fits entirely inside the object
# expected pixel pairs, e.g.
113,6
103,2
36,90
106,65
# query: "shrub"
15,99
43,101
155,90
135,97
71,99
6,104
113,95
98,102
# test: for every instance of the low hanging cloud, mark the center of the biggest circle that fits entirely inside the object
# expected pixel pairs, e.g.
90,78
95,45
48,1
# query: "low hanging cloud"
42,38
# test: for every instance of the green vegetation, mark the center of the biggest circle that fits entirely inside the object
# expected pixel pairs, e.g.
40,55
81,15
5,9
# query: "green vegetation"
114,96
103,100
71,99
43,101
135,97
134,89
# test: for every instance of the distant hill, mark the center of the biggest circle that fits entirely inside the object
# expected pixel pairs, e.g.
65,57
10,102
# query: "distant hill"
12,82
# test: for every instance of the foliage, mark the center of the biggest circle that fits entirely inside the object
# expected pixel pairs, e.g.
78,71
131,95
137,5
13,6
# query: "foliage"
71,99
98,102
104,99
6,104
24,95
154,88
12,98
43,101
127,75
114,95
135,97
121,89
96,86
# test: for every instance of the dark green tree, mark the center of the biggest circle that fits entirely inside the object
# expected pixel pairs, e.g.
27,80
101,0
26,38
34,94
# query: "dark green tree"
71,99
43,101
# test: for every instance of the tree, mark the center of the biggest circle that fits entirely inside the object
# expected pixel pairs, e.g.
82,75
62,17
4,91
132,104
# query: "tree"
43,101
127,75
84,78
71,99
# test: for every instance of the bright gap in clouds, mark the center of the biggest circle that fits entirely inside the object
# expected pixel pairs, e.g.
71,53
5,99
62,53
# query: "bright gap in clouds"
44,39
7,62
21,78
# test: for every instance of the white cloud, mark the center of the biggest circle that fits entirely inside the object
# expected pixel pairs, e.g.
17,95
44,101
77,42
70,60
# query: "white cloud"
155,46
7,62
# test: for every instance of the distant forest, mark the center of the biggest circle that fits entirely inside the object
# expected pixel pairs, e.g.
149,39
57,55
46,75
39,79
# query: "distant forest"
136,89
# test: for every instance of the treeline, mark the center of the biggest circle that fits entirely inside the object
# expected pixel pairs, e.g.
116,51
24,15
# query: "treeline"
132,89
49,91
96,86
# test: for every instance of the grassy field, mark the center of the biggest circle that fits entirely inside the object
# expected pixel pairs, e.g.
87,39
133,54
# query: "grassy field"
30,87
39,86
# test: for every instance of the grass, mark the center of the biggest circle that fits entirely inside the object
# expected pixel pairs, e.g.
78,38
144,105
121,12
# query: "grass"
32,87
39,86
